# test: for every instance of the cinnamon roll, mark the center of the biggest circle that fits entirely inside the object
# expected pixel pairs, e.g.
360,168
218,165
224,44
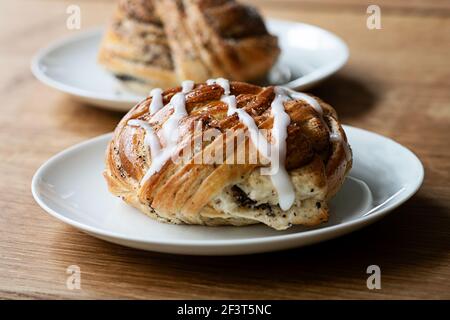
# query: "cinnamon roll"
229,153
160,43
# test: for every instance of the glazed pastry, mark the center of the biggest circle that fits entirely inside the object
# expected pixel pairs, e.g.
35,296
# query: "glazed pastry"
170,156
160,43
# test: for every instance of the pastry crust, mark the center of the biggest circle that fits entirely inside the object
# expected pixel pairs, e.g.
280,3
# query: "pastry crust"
229,193
160,43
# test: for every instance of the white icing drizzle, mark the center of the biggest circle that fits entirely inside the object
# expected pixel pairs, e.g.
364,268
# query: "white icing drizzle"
224,83
170,133
159,156
157,163
187,85
232,104
334,136
170,127
300,96
151,139
256,136
157,100
280,177
337,137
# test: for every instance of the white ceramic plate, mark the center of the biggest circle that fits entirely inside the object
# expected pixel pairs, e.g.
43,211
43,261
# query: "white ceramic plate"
70,187
309,55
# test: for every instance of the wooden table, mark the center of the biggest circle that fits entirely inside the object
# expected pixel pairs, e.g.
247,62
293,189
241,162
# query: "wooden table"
396,83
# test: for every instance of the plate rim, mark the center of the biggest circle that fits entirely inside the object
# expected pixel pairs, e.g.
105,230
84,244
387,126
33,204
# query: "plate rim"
61,86
362,221
80,93
325,72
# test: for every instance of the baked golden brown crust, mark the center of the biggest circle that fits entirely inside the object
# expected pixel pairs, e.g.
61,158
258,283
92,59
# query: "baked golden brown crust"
160,43
216,193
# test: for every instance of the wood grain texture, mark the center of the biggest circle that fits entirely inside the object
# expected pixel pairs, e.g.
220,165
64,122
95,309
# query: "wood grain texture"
396,83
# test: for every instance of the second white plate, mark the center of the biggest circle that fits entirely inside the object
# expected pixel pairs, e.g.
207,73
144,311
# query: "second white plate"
70,187
309,55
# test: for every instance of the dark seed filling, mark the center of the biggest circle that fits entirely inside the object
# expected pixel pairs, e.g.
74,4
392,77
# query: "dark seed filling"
244,201
127,78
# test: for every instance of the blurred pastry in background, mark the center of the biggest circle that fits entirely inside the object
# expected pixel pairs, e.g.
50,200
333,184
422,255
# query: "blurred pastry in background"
160,43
